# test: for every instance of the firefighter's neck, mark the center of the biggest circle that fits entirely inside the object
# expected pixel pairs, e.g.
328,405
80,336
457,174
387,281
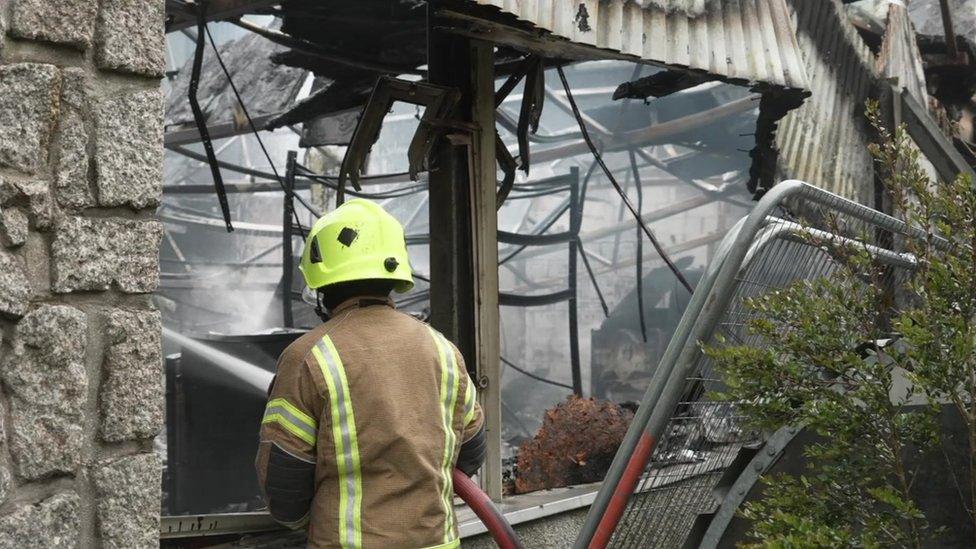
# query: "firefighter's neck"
363,300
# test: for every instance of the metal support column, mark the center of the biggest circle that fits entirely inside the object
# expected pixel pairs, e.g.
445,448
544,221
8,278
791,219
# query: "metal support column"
288,229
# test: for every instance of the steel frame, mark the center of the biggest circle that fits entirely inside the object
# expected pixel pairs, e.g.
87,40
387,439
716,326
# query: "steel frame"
570,294
439,102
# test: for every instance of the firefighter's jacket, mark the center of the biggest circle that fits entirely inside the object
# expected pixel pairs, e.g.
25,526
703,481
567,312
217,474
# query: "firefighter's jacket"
362,429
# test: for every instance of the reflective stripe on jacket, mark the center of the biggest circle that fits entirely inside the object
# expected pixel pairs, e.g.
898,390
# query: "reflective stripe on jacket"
380,403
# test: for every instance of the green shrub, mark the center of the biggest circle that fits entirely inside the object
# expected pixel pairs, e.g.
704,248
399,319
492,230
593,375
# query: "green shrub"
820,368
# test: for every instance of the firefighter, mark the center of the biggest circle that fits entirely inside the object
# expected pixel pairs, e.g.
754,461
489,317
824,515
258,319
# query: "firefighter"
370,412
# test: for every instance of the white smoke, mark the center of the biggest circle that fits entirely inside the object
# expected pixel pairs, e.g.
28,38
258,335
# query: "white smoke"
252,375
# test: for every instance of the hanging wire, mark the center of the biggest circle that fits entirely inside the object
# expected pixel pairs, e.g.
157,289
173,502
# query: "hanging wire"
291,194
639,264
393,177
392,193
201,121
183,151
542,184
589,270
534,376
582,203
524,190
307,175
543,227
613,181
527,196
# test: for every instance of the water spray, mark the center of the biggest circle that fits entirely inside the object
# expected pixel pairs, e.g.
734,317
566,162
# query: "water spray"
254,376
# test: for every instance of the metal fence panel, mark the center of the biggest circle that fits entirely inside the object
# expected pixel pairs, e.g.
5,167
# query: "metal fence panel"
699,443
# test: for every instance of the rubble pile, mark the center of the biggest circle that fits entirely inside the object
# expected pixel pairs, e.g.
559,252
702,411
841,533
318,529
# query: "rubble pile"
575,444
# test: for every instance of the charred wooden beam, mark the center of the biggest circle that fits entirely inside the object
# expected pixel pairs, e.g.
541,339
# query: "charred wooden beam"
930,139
438,102
950,33
183,14
191,134
660,84
323,52
331,99
463,24
765,155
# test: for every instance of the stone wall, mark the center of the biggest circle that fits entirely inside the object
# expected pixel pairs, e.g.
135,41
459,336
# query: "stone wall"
81,382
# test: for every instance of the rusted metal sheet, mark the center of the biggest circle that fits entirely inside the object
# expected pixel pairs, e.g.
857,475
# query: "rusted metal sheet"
575,444
824,142
899,56
740,40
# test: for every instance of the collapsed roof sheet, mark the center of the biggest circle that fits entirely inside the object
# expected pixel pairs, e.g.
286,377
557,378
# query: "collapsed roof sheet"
899,56
818,142
265,87
741,40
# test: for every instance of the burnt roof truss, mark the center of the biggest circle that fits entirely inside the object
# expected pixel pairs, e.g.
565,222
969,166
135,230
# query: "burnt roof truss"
439,103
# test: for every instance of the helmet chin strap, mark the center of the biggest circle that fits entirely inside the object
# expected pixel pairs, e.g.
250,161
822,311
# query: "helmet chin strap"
318,307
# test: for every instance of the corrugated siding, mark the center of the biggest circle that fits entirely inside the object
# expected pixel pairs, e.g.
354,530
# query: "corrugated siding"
808,44
900,57
824,142
746,40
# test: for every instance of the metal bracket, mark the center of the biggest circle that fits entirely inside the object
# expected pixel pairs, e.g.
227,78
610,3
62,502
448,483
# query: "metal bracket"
933,143
508,166
439,102
740,489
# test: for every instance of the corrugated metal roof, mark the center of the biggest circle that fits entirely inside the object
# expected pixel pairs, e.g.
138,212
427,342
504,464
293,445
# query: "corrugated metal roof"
899,56
741,40
824,142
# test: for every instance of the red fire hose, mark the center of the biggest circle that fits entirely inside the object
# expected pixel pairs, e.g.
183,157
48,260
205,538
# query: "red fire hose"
621,495
499,528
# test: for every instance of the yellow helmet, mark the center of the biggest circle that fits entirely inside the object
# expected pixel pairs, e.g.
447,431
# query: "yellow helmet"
358,240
